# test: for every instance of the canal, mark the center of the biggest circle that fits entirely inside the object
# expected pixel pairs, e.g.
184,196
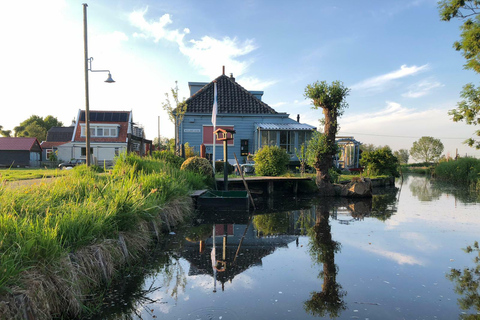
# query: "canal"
400,255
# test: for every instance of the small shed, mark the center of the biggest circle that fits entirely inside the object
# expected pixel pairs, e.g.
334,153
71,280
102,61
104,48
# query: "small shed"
20,152
349,155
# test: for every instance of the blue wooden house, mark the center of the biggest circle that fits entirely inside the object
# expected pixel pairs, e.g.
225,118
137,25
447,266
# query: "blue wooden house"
256,124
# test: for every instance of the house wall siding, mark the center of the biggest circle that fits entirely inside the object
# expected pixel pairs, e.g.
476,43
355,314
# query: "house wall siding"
244,125
20,158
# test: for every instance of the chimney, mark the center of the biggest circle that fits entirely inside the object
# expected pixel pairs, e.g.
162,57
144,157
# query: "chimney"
298,118
231,77
223,70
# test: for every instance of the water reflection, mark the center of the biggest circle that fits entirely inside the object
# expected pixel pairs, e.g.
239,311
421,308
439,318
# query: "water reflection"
467,285
222,247
322,249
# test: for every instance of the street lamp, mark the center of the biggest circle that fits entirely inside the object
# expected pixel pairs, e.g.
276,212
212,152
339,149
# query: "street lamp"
88,67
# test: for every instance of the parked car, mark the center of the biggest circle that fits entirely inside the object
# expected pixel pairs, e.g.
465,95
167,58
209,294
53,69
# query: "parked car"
72,163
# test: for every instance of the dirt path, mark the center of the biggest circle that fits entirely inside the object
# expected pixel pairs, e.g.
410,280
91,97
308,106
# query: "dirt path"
28,182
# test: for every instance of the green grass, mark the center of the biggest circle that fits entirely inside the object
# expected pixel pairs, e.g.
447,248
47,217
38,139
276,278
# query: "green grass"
463,171
40,224
15,174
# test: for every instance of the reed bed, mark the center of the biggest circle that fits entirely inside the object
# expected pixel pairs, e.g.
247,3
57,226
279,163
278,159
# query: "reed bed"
61,240
463,170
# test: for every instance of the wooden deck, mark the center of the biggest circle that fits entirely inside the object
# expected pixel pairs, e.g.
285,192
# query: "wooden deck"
267,182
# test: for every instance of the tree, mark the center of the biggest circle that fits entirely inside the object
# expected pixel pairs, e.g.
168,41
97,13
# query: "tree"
468,109
5,133
402,155
175,113
366,147
427,149
331,99
35,130
32,127
380,162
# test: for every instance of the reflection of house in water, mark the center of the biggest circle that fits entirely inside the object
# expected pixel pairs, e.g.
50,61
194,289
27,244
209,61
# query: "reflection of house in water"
349,157
240,246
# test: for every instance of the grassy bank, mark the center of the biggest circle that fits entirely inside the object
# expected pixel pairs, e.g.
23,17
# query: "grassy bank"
60,240
15,174
462,170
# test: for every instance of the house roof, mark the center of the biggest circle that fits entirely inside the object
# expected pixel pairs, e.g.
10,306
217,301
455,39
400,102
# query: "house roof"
285,126
51,144
18,144
106,116
231,98
60,134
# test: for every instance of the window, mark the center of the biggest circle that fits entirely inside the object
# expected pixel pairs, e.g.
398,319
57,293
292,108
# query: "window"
48,152
84,151
303,137
287,141
101,131
268,138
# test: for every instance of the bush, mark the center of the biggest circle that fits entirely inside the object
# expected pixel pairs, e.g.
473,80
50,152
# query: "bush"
198,165
169,157
380,162
271,161
219,167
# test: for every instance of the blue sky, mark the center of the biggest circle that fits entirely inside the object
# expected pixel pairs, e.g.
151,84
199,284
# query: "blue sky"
396,56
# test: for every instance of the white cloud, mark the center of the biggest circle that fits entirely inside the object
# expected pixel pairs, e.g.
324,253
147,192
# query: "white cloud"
398,257
421,88
207,54
252,83
379,83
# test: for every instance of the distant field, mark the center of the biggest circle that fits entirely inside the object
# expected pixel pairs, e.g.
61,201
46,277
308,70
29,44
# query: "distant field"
15,174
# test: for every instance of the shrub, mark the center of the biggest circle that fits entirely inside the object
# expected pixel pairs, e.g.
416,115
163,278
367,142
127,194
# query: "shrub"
168,157
271,161
219,167
380,162
198,165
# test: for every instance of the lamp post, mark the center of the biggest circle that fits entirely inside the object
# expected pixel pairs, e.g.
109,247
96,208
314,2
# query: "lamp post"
88,67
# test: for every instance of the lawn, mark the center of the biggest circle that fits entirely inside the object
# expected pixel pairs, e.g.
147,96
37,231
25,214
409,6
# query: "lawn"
15,174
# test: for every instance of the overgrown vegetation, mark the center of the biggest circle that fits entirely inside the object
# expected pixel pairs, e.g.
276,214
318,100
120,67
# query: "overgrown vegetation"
271,161
380,161
463,170
198,165
59,240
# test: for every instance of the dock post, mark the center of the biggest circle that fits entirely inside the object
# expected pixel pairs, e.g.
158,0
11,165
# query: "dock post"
295,187
270,187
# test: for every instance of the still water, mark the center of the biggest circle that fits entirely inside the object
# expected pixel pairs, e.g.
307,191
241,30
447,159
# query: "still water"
400,255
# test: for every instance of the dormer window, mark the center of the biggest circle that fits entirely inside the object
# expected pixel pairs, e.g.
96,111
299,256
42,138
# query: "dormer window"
101,130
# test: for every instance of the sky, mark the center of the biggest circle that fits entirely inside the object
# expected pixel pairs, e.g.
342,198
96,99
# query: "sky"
397,58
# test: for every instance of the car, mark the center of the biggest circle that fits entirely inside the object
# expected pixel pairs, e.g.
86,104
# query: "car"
72,163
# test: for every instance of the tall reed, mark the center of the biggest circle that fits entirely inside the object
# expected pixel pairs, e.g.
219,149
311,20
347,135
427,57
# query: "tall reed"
42,225
463,170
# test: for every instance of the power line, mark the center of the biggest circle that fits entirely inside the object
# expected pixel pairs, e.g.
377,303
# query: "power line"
392,136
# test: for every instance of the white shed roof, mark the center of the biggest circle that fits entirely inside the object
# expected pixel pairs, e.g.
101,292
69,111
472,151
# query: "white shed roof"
285,126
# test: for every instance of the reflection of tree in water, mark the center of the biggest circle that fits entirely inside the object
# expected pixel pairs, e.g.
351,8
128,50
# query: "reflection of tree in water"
272,224
467,284
384,205
175,275
323,248
423,189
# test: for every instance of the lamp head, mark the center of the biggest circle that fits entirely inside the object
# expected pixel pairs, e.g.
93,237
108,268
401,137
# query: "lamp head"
109,79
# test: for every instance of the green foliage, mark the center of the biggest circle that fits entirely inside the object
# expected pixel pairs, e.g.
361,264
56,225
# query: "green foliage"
427,149
219,167
468,110
318,149
36,126
271,224
40,224
326,96
462,170
380,162
467,283
198,165
302,158
175,112
402,155
271,161
169,157
468,11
